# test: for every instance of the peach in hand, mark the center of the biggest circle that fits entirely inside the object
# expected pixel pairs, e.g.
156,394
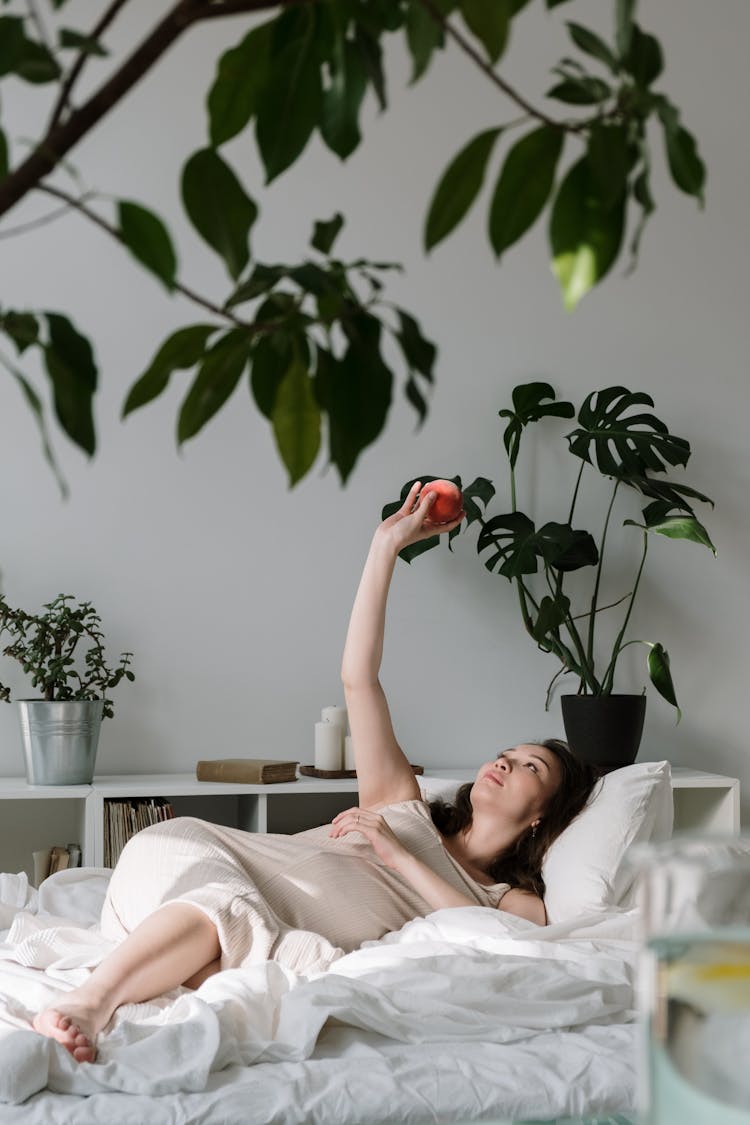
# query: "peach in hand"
449,503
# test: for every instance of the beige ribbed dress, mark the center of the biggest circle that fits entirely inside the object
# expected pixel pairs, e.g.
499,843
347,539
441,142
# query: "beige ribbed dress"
303,900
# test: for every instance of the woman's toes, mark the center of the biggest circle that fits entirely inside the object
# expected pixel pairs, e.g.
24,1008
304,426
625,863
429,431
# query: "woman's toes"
68,1034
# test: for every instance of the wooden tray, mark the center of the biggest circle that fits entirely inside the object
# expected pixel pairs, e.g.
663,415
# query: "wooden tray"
311,771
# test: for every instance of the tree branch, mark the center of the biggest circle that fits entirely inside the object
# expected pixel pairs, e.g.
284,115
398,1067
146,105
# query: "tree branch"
65,135
468,48
257,327
80,62
78,205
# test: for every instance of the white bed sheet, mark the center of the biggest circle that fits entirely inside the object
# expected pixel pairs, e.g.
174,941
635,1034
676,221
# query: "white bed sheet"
469,1014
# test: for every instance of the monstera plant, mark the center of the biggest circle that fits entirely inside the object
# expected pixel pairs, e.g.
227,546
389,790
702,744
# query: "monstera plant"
631,449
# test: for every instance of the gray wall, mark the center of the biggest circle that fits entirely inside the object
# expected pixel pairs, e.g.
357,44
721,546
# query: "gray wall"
234,592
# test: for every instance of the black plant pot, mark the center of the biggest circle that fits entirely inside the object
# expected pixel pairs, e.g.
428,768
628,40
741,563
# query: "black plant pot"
604,730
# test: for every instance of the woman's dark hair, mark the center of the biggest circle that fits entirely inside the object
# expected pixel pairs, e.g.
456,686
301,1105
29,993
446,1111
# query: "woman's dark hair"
521,865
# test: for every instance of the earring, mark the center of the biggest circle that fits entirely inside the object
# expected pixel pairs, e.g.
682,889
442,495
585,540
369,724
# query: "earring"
533,831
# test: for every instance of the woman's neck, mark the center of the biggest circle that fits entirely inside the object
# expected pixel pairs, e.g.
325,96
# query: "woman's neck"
477,849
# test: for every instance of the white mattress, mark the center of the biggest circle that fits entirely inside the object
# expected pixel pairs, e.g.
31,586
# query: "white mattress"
469,1014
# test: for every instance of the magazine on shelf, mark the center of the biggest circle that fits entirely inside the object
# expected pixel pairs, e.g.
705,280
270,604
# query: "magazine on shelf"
124,818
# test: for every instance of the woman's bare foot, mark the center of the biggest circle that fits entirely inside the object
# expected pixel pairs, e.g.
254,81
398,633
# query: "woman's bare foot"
74,1026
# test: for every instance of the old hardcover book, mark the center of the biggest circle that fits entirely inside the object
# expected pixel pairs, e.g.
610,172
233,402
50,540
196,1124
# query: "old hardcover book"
59,859
253,771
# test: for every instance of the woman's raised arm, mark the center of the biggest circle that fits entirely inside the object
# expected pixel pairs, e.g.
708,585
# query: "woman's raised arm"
383,771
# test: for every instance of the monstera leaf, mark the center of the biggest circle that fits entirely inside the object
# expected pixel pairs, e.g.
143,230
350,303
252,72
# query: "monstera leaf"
623,444
529,405
519,546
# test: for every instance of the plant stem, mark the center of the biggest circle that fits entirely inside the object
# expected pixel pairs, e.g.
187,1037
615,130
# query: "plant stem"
468,48
67,85
595,595
575,493
610,673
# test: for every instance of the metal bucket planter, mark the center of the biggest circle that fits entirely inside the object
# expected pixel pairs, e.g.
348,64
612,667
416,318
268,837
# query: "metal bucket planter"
60,740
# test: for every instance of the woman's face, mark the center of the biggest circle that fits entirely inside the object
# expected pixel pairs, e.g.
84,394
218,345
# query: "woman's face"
518,784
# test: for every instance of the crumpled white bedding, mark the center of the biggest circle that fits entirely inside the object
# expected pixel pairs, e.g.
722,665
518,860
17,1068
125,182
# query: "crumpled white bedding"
469,1013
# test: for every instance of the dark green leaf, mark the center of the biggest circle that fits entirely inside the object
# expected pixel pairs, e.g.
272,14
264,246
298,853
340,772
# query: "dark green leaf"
583,90
586,232
552,614
148,240
564,548
69,360
610,161
644,59
218,207
458,187
35,404
661,676
3,156
480,489
685,165
36,64
312,279
272,357
12,39
262,280
424,35
296,421
355,390
217,377
419,352
289,103
590,42
669,495
555,3
416,399
513,538
490,23
624,13
23,329
83,43
524,186
183,349
342,99
530,405
242,74
624,445
372,57
325,233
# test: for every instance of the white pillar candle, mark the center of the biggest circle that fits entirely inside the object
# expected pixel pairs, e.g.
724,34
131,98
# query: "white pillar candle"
335,715
328,746
348,753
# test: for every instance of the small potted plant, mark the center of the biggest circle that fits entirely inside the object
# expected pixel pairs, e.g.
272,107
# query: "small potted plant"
60,730
632,449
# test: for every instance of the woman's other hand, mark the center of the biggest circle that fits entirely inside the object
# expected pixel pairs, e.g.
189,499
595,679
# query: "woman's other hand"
374,828
411,522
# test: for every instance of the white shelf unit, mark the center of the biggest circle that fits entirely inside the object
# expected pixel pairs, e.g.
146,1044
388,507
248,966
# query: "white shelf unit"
38,816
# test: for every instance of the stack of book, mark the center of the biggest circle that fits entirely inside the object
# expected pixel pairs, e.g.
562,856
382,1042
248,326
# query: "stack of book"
122,819
250,771
49,860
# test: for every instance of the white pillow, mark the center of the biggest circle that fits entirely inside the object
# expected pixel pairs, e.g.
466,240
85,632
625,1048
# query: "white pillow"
584,870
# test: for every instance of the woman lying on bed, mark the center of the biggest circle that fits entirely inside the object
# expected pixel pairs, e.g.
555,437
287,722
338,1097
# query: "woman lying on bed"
188,898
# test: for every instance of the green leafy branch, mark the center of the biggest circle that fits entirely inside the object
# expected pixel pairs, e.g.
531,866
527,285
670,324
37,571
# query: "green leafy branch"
308,69
45,646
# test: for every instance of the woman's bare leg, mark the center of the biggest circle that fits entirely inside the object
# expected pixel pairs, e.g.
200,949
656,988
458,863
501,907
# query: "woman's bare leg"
172,946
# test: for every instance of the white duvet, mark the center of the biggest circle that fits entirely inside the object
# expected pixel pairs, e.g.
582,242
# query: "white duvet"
469,1013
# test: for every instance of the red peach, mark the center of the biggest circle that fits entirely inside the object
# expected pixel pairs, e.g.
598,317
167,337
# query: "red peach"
449,502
